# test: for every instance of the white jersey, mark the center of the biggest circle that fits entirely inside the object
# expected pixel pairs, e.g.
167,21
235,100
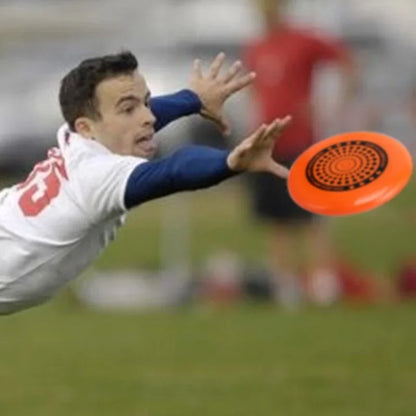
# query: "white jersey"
53,225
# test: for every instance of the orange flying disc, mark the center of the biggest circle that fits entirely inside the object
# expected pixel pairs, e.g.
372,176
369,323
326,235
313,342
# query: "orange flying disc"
349,173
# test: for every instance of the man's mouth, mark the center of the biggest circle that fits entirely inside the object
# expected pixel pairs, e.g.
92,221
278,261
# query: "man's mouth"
146,143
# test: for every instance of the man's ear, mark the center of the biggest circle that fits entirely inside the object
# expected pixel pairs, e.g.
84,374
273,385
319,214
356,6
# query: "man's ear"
83,126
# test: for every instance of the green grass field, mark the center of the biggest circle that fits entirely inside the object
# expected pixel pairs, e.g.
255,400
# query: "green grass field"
64,359
243,361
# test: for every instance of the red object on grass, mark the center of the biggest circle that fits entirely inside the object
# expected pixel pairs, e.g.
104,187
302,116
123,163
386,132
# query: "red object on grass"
357,285
407,279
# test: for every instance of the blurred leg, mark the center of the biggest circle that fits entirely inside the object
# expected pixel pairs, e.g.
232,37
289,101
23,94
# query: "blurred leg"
322,284
286,264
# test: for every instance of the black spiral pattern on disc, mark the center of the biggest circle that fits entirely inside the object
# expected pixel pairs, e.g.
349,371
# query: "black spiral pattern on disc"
346,165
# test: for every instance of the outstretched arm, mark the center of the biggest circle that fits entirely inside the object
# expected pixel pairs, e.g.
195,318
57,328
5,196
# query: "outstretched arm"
190,168
167,108
197,167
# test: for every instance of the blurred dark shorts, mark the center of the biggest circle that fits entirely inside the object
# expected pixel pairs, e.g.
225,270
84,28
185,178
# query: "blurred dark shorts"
271,201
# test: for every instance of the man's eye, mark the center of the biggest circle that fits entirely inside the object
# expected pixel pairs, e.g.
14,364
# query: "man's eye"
128,110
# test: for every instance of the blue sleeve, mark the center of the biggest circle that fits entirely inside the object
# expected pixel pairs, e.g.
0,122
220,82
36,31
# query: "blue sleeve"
190,168
168,108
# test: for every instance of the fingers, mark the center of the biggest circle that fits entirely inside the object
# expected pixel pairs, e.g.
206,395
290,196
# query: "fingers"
257,135
216,65
264,133
231,82
234,69
270,132
240,83
197,70
284,122
275,128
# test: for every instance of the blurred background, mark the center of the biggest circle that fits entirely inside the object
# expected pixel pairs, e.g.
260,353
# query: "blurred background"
210,337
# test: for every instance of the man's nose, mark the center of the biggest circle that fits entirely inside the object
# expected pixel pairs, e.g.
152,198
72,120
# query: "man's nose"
149,117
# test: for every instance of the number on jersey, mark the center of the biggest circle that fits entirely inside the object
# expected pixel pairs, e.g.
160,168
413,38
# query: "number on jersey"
43,184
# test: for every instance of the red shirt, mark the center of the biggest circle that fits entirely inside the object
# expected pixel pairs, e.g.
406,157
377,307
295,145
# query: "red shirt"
284,61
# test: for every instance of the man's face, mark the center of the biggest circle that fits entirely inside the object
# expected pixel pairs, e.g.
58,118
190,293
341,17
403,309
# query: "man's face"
126,123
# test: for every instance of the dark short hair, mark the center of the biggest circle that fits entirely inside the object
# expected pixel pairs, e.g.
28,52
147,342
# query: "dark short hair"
77,96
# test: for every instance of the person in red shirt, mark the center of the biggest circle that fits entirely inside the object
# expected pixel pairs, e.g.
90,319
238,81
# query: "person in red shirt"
285,59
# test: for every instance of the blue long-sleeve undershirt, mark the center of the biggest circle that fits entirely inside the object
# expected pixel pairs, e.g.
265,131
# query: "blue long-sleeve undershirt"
190,168
167,108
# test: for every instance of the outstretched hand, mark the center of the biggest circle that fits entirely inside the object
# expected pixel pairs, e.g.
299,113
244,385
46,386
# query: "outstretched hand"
254,154
213,89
